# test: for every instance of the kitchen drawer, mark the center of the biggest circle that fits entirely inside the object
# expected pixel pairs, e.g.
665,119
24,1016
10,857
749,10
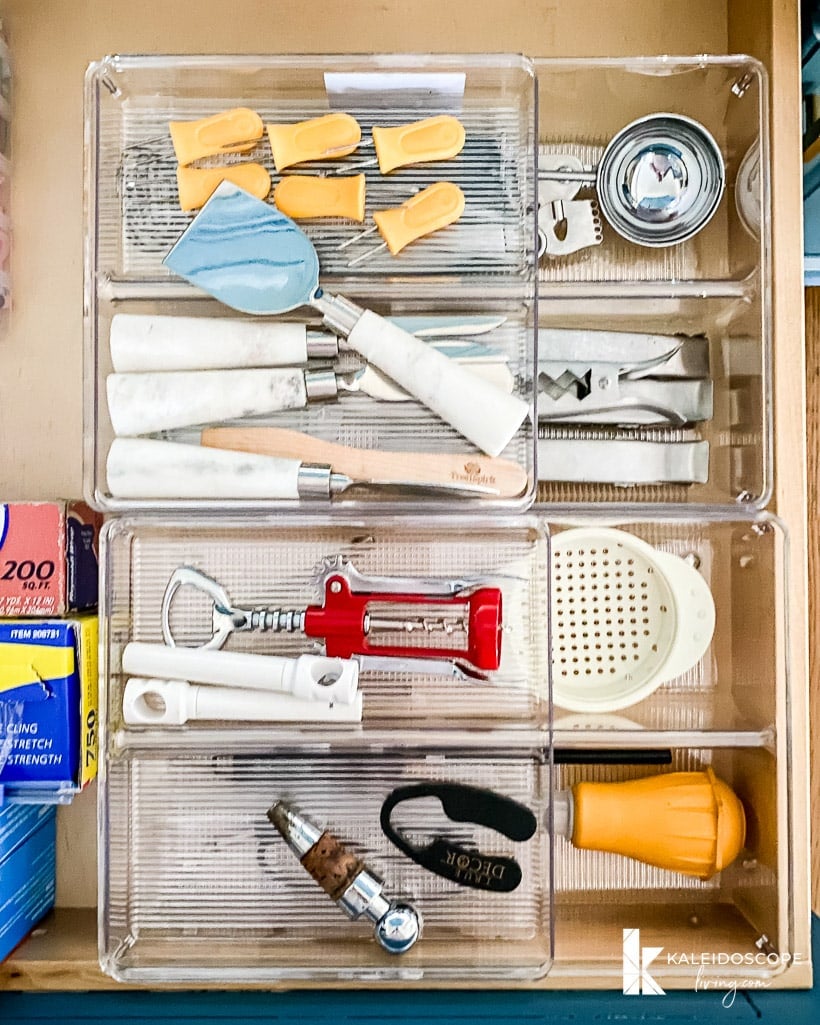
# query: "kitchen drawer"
770,890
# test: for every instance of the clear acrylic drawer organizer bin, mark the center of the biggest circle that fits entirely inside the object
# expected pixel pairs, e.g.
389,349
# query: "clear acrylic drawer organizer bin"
481,266
196,884
728,712
715,284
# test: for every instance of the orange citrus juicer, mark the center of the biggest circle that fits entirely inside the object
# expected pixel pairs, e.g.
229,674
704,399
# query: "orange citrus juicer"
304,196
688,822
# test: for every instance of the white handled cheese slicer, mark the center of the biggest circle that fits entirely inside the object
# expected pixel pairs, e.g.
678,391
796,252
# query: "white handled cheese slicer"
253,258
625,618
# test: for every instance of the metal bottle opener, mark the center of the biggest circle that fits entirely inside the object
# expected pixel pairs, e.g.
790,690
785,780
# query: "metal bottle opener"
387,624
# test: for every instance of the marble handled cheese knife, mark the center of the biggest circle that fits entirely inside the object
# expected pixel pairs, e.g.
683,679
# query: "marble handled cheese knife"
148,403
251,257
501,477
143,343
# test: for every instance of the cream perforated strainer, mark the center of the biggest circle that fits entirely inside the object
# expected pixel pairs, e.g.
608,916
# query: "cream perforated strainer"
625,618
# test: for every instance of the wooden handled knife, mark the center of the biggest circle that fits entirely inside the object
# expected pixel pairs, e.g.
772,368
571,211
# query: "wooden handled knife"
460,471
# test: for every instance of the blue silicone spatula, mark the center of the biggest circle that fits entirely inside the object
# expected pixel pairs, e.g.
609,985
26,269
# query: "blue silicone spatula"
251,257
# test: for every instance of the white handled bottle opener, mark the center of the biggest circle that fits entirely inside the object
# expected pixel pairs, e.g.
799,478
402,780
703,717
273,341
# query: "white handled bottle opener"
174,702
313,677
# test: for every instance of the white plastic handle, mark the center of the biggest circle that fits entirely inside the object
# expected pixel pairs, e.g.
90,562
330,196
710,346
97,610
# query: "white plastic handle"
146,403
175,702
144,342
141,468
477,409
315,677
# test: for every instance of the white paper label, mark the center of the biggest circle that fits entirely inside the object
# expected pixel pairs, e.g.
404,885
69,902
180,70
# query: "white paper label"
377,89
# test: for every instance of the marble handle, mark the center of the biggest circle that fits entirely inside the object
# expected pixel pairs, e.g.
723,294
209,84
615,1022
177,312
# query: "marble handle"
146,403
141,343
140,468
477,409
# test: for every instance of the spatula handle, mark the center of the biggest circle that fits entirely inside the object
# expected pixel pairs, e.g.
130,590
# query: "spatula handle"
146,403
141,468
143,342
481,412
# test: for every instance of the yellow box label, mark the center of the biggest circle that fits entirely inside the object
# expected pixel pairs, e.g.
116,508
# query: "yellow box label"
88,655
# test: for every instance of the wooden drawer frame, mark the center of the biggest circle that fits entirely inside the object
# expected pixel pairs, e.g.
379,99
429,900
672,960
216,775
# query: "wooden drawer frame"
40,416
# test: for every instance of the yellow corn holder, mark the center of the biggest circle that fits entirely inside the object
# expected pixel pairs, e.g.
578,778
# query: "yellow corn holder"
303,196
233,131
429,210
196,184
320,138
434,138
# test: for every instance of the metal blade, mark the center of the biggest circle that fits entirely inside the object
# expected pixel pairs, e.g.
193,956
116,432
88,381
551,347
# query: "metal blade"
630,353
461,671
433,327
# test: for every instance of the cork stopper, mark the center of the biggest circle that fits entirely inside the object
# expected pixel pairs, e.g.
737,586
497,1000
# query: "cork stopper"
332,866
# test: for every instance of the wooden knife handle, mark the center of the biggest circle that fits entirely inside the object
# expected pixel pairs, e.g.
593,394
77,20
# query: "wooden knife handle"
506,477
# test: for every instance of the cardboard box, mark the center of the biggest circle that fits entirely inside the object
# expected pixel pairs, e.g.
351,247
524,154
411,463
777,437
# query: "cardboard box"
48,708
48,558
28,842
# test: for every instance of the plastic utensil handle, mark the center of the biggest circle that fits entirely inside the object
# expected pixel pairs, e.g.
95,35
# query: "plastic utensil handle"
482,413
300,676
144,342
506,477
145,403
690,822
429,210
302,196
320,138
233,131
196,184
434,138
174,702
142,468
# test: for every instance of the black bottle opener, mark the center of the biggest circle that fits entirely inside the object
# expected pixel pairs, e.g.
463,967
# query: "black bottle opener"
462,803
